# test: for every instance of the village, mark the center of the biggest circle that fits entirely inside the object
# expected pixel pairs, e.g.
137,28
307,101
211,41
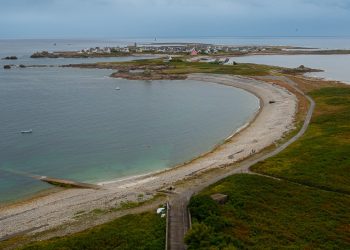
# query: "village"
189,49
184,49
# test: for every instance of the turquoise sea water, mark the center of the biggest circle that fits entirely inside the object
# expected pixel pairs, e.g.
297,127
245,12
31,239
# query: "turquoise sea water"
85,130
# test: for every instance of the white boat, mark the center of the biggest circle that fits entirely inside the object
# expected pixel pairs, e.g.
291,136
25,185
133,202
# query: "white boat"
117,88
29,131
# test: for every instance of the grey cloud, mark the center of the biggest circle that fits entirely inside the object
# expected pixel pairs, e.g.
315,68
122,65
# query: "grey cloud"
173,17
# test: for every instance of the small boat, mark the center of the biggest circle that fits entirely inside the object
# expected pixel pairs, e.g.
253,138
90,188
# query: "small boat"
27,131
117,88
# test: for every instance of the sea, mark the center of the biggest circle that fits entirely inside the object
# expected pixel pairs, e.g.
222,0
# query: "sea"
86,130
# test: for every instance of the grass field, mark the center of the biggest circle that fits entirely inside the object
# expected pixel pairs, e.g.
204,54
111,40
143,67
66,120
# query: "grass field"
202,67
321,158
264,213
180,67
142,231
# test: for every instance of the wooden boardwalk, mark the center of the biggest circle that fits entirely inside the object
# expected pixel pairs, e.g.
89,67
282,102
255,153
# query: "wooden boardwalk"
178,223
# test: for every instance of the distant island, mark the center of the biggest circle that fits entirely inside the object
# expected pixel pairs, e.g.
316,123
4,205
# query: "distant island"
196,49
169,68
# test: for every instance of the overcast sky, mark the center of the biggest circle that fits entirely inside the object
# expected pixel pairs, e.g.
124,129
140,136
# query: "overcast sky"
172,18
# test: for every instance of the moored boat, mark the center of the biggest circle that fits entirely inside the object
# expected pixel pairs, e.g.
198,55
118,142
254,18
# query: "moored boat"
29,131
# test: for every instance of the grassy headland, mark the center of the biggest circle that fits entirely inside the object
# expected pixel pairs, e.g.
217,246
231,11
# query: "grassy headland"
265,213
155,69
322,157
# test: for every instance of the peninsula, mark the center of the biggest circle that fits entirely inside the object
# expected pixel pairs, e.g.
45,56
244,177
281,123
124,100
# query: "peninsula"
275,135
267,127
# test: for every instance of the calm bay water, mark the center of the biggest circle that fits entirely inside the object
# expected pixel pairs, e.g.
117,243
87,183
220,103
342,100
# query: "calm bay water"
309,42
87,131
83,129
336,67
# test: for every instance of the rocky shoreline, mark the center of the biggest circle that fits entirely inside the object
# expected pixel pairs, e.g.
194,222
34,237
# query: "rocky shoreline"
135,72
148,77
75,54
300,70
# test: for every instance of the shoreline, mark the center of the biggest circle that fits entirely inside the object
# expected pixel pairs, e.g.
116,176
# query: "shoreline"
325,78
265,128
215,147
55,189
158,172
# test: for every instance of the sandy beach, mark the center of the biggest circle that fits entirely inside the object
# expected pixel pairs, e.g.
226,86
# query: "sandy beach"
275,118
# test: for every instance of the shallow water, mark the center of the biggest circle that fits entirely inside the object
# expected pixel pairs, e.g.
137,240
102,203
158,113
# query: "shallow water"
85,130
336,67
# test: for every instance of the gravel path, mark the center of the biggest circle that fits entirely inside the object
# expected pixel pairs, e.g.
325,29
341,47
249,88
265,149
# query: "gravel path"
179,210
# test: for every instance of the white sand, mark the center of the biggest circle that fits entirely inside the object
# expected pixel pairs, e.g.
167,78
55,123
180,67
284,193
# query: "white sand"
272,122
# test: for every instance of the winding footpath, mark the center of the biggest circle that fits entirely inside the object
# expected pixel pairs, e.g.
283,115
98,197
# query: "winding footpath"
178,210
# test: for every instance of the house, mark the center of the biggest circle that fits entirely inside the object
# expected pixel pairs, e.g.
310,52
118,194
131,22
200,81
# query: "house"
126,50
168,59
207,51
194,52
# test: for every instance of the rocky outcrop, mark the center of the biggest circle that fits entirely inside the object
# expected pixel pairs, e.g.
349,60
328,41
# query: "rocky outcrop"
7,66
44,54
148,76
300,70
75,54
10,58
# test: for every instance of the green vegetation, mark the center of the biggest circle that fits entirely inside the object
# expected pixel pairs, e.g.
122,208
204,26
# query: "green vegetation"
321,158
179,66
128,205
264,213
142,231
261,212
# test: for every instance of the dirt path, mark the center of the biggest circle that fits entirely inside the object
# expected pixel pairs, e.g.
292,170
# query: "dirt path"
176,230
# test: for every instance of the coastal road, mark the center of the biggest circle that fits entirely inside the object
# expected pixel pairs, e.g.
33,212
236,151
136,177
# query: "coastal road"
178,213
